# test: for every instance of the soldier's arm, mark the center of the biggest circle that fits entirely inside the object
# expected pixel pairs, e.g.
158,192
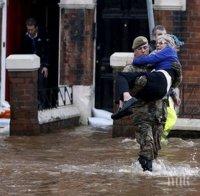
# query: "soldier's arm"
175,96
153,58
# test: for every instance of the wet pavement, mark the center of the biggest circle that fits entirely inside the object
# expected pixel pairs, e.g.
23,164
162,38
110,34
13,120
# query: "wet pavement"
88,161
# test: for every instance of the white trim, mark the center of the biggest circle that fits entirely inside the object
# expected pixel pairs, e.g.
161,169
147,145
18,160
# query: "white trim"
78,4
59,47
170,5
94,57
3,50
168,78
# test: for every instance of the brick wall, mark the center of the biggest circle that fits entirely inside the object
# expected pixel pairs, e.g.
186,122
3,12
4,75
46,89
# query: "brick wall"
186,25
24,107
124,128
23,101
76,58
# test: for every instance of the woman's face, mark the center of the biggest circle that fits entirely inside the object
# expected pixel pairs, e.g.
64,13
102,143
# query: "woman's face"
160,44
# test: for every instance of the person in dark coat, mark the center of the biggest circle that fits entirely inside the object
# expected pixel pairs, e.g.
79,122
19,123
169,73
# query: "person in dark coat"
36,42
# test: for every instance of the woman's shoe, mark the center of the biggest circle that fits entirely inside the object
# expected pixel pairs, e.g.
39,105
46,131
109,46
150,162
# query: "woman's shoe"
118,114
128,104
125,110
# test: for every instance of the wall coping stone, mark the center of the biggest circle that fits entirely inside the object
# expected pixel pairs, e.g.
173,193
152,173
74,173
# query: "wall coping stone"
56,114
78,4
22,62
121,59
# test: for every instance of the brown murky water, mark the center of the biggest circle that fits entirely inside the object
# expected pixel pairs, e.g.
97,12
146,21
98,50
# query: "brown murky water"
88,161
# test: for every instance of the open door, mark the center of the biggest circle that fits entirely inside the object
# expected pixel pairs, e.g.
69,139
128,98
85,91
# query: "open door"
46,12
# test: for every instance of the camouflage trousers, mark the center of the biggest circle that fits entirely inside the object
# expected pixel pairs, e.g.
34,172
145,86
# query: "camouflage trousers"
149,121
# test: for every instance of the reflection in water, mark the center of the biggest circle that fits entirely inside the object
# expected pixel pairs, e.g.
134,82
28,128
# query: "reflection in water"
88,161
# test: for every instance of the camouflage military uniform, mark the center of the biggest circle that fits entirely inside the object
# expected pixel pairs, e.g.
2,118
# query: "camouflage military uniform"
149,120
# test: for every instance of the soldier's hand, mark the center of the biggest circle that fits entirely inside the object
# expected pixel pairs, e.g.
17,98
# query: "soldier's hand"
45,72
177,101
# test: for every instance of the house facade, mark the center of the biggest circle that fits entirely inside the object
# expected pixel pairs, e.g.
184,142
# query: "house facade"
84,33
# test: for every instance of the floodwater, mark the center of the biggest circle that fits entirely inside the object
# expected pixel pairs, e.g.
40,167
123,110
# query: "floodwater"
88,161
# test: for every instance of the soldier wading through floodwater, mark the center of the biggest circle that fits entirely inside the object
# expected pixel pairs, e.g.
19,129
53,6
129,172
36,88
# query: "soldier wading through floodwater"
149,118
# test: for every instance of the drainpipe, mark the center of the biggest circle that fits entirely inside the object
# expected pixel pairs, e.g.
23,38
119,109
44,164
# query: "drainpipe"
150,16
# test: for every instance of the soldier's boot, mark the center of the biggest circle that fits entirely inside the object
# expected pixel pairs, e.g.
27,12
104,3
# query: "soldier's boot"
145,163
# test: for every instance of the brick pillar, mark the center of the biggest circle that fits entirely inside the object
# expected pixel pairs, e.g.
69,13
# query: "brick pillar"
122,127
77,52
23,76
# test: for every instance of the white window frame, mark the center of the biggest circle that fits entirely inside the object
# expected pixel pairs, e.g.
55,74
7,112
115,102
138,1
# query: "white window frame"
170,5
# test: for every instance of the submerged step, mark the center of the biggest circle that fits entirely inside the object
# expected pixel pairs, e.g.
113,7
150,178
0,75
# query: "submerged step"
187,124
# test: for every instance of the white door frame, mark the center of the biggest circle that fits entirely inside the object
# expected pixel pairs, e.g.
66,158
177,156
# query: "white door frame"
3,49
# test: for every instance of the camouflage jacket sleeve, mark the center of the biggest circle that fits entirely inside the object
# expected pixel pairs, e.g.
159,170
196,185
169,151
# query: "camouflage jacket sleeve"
132,68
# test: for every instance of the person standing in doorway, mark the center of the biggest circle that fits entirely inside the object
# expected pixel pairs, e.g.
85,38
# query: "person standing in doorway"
36,42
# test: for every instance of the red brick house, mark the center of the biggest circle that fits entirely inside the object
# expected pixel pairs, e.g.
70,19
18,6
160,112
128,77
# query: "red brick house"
84,33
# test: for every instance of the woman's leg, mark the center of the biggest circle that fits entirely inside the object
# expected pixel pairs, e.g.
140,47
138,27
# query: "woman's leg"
124,82
155,89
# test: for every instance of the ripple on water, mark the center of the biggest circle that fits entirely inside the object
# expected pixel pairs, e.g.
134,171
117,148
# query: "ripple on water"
128,143
88,130
161,168
180,143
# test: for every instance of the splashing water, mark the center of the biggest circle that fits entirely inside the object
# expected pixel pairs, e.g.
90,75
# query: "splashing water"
161,168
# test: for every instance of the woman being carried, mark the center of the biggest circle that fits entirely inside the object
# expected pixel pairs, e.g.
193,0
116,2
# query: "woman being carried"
158,82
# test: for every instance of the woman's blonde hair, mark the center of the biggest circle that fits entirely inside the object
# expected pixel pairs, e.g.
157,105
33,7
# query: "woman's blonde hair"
168,39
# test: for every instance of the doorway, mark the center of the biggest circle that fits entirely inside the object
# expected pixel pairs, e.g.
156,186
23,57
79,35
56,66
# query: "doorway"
118,23
46,14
